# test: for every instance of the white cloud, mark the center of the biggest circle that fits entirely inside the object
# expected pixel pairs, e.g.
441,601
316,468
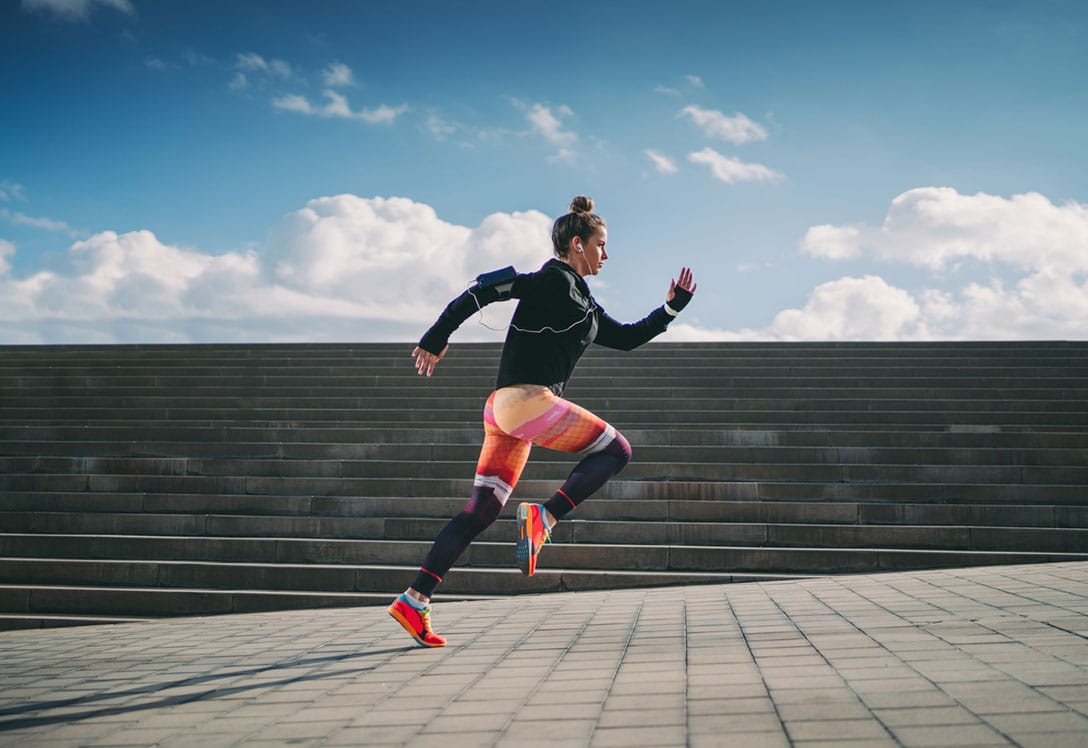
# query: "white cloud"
341,268
337,75
732,170
544,122
16,218
738,129
832,242
935,227
196,59
866,308
565,155
238,82
254,63
7,249
439,128
338,107
663,164
694,81
11,191
75,10
294,103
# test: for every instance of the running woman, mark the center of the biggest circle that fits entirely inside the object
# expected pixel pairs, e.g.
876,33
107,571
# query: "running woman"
555,321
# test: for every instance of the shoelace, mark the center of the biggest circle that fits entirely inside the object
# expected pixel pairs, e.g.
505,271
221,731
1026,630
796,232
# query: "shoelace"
425,616
547,530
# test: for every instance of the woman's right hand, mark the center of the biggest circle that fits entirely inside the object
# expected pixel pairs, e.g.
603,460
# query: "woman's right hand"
681,291
426,361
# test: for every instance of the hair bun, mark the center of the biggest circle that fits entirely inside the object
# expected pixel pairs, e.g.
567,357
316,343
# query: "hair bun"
581,204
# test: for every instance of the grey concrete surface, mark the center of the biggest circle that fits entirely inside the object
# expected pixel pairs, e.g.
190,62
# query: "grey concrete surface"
986,656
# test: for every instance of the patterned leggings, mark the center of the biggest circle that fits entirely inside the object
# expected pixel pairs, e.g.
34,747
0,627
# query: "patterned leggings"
515,418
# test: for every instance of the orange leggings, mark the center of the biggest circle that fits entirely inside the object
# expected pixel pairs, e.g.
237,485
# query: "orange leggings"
515,418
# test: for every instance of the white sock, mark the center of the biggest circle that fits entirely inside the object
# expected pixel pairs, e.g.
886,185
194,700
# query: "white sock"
415,603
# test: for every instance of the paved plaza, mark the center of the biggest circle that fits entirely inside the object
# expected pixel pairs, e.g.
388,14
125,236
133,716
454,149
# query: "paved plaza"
968,657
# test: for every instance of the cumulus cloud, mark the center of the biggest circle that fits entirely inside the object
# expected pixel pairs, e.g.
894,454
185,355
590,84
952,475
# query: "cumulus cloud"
732,170
1027,235
663,164
935,227
338,107
75,10
865,308
337,75
341,268
738,129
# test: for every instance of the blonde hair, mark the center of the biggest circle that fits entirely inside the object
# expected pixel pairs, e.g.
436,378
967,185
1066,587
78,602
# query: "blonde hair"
581,222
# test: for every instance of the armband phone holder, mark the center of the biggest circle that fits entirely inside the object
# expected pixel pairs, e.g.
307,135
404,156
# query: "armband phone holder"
501,280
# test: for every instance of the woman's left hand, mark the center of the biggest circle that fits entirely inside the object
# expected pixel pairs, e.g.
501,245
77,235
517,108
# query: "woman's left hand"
681,290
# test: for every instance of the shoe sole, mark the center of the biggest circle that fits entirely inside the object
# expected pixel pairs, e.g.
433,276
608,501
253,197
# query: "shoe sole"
406,624
524,555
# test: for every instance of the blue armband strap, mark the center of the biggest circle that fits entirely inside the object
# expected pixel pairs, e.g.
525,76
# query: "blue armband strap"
500,280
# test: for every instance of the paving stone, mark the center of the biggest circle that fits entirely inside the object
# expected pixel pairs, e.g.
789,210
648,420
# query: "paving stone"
960,735
345,677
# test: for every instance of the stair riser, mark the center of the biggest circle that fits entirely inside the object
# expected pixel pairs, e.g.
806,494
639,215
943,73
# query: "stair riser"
586,531
225,441
530,489
717,464
81,504
221,478
809,556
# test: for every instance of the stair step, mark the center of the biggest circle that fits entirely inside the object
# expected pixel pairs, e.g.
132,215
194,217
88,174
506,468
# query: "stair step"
583,530
584,556
41,509
23,621
216,478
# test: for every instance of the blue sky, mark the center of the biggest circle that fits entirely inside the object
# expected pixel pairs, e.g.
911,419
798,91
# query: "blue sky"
197,171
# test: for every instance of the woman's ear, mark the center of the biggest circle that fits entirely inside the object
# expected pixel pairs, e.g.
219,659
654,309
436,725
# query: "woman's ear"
575,245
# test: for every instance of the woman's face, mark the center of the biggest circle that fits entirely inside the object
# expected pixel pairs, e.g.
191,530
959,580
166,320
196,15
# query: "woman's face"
591,259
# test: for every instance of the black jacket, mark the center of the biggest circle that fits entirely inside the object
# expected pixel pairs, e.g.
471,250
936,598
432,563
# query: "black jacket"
555,321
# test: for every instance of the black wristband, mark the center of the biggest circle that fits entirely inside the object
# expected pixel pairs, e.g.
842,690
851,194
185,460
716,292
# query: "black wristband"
433,341
681,298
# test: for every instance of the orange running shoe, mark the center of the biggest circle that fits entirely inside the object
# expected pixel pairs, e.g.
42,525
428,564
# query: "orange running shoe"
533,533
416,622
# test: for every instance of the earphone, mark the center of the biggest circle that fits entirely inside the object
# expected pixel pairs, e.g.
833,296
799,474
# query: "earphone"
592,308
579,245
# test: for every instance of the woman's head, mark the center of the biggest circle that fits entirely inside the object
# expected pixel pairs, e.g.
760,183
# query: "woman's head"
576,227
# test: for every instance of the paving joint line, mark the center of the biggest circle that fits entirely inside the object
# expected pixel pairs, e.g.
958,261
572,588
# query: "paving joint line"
752,655
619,664
922,628
827,662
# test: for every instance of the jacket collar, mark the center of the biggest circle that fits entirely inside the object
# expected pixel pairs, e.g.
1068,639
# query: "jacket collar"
579,281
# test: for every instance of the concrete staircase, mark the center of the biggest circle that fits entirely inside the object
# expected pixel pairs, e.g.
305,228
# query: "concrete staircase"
146,481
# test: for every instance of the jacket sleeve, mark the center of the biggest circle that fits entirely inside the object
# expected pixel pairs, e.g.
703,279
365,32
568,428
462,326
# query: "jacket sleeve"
613,334
455,313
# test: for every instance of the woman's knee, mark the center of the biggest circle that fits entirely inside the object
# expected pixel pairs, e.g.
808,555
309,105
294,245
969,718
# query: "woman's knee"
620,448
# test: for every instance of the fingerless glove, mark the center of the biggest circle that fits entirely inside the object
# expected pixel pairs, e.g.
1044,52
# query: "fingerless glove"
681,298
